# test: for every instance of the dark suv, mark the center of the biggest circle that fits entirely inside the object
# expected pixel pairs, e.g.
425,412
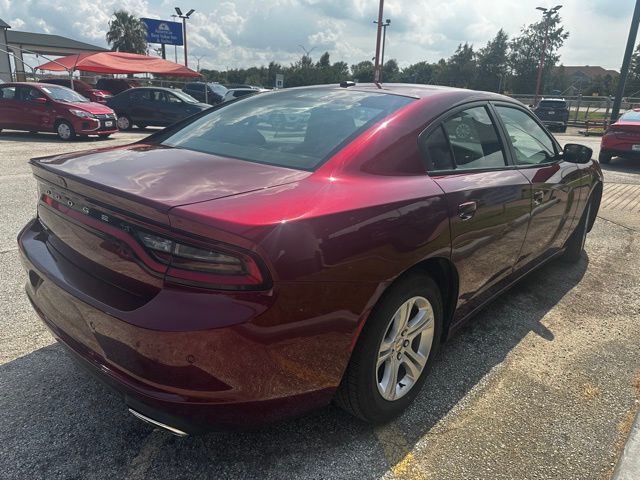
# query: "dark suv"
214,92
554,113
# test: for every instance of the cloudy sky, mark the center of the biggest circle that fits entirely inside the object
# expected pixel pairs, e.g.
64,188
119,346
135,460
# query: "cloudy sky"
240,33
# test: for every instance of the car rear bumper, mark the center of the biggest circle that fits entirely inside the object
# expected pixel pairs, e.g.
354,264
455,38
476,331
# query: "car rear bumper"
554,123
618,146
253,372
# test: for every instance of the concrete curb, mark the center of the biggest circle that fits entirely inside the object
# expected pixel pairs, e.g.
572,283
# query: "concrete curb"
628,467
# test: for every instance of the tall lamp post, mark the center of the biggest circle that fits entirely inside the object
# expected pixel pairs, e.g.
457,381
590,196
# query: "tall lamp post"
624,71
184,30
547,13
175,47
384,42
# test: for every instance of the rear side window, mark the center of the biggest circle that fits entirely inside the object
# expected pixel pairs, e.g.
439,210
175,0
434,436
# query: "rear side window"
438,151
472,141
559,104
296,129
531,143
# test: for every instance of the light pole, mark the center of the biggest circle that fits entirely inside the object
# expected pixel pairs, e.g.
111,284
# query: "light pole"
384,42
547,13
376,68
624,71
175,47
184,30
198,58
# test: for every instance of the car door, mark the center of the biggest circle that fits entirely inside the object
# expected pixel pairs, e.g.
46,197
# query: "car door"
37,114
141,106
171,108
11,114
556,185
489,201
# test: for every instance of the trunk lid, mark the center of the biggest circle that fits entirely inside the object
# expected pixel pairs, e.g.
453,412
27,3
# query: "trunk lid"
160,177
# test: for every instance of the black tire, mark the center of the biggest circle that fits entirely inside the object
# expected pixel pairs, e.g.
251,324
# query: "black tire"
563,129
141,126
605,157
124,122
575,243
104,135
65,131
358,392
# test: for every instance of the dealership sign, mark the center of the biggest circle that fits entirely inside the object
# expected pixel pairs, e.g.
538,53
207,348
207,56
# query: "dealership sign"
160,31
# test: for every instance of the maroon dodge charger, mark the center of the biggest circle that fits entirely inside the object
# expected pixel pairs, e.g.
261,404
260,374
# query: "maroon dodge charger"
268,256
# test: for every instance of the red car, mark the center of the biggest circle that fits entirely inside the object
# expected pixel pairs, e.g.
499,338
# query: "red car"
39,107
622,139
83,88
264,258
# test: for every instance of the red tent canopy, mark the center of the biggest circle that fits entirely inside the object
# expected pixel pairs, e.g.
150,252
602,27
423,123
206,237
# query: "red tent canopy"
118,62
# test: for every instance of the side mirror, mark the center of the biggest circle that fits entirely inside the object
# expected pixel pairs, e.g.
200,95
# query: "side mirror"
40,100
576,153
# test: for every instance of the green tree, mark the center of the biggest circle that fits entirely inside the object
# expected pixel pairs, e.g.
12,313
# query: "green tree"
421,72
526,48
633,80
127,33
492,64
363,71
461,67
390,71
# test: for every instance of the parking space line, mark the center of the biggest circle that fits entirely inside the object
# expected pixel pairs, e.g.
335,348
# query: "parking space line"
398,453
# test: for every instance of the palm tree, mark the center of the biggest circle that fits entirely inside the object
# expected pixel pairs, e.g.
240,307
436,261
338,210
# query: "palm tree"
127,33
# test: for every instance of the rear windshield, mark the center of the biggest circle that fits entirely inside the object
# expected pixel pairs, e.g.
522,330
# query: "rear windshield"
296,128
552,104
631,116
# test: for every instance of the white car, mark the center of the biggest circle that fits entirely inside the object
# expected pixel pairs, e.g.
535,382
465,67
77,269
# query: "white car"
234,93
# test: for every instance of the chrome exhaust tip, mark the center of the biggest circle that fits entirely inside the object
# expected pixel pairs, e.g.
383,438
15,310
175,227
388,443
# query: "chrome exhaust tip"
173,430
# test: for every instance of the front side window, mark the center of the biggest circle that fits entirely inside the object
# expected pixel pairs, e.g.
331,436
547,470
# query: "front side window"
472,141
29,94
296,129
531,143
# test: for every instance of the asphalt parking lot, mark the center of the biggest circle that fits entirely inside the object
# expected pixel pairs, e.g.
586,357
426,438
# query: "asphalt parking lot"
544,384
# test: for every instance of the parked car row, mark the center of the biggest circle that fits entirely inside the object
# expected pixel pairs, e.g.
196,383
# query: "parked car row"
48,107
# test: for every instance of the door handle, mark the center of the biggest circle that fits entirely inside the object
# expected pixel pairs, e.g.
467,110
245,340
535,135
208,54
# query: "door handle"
538,197
467,210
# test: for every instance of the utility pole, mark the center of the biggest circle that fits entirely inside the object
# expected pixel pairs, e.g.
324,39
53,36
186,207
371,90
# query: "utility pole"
377,70
624,71
547,13
175,47
184,31
384,42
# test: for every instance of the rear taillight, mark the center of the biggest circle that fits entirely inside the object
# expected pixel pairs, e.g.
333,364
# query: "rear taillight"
199,266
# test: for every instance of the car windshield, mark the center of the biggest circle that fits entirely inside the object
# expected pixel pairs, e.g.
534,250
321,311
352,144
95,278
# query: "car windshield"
552,104
185,97
296,128
631,116
63,94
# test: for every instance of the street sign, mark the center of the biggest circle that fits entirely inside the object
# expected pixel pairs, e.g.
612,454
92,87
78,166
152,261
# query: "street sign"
279,80
161,31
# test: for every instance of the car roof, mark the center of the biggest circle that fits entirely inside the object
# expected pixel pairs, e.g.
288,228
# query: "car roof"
417,91
152,88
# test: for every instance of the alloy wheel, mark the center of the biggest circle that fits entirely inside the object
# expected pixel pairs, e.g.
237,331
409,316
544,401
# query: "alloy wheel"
123,123
405,347
64,131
